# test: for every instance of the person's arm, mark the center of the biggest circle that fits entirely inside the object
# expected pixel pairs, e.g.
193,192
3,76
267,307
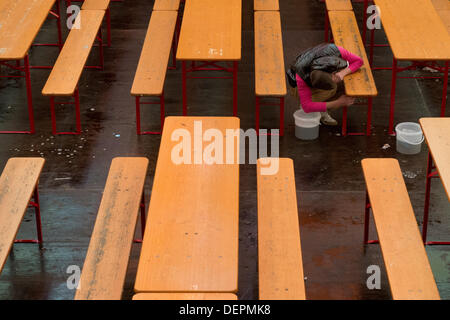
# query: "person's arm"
304,92
354,63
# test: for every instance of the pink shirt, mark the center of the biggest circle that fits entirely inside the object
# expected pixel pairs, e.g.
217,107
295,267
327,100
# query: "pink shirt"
304,91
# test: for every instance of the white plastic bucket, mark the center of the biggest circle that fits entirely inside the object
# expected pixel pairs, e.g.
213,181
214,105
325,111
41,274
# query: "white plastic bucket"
306,124
409,137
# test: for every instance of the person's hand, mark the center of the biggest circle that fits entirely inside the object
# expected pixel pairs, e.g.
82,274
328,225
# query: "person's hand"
346,101
336,78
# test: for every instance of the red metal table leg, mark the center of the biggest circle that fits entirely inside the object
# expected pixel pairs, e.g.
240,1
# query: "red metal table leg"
235,70
367,221
444,90
108,26
392,105
29,97
184,92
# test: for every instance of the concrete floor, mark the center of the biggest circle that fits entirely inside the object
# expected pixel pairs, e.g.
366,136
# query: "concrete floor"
329,179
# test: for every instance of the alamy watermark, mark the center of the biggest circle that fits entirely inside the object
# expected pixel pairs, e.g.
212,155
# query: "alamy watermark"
213,146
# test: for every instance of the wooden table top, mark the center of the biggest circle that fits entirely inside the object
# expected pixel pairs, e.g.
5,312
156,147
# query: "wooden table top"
191,238
166,5
95,5
20,22
211,30
266,5
437,135
414,30
185,296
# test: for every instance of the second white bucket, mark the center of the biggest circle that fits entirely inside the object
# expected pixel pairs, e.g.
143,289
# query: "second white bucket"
409,137
306,124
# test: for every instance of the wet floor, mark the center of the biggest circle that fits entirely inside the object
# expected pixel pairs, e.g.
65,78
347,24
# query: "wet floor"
329,180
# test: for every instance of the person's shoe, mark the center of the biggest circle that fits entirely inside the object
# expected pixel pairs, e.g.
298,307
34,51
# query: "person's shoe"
327,120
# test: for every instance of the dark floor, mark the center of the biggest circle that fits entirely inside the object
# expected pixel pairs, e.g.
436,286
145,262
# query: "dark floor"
328,173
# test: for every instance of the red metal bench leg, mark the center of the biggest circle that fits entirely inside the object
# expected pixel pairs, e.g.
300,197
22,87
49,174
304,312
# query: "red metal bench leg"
58,25
36,205
392,105
138,114
142,209
344,121
366,4
281,116
369,116
367,221
257,104
77,114
444,90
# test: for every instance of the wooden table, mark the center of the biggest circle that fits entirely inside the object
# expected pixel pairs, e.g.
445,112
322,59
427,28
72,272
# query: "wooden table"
20,22
210,33
191,242
437,135
415,33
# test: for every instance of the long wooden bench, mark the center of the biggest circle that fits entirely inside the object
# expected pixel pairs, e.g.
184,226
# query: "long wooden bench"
407,266
279,248
335,5
65,75
266,5
18,184
166,5
185,296
270,78
106,262
101,5
151,71
361,83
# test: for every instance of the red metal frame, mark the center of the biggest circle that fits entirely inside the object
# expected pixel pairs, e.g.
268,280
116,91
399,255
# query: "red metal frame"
368,125
258,107
414,65
138,115
56,14
77,114
209,66
37,210
431,173
142,208
26,70
367,221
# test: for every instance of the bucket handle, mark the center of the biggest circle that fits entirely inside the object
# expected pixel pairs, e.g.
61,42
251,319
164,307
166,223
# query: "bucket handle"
405,140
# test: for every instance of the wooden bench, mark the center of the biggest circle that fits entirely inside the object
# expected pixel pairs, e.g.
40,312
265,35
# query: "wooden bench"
266,5
65,75
166,5
279,249
151,70
361,83
270,78
408,270
193,214
335,5
101,5
18,183
109,250
185,296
